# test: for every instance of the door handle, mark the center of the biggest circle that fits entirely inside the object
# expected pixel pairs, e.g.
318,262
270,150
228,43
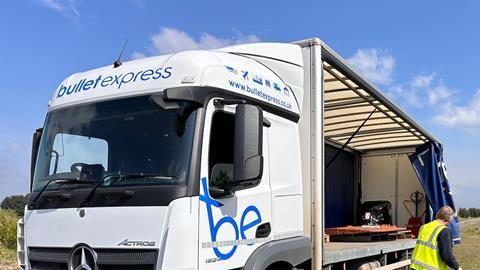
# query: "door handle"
263,230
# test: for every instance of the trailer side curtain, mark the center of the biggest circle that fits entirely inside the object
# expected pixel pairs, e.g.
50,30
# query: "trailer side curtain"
339,188
430,168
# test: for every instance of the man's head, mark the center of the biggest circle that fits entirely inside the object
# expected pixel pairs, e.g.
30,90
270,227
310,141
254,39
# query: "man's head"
445,214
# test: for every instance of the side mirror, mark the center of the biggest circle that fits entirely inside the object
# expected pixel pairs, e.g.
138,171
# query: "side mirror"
248,159
35,144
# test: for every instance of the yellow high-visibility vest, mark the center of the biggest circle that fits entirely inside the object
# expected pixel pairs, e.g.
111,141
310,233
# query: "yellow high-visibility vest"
426,255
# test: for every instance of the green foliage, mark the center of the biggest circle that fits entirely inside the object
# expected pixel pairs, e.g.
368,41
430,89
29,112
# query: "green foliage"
8,229
463,213
470,212
15,202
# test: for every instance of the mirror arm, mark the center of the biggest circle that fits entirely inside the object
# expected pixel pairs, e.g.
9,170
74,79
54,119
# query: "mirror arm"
218,193
55,167
221,102
266,122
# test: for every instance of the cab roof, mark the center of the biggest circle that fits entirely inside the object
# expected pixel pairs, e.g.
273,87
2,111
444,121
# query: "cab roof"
218,69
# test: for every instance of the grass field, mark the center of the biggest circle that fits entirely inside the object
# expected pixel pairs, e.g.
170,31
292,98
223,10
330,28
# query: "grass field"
468,253
7,259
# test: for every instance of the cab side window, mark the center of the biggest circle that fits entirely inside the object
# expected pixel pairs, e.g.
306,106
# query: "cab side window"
220,159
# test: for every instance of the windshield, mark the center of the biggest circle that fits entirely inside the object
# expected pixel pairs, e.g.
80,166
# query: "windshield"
128,139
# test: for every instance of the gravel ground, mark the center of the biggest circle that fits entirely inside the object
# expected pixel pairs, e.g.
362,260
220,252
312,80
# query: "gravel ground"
7,259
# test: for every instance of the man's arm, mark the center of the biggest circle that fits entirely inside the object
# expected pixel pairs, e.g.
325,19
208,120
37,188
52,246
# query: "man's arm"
445,247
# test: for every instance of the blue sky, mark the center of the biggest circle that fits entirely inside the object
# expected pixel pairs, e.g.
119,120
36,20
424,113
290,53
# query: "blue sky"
424,54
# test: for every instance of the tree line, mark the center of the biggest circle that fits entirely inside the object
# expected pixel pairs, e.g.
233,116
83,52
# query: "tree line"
15,202
469,212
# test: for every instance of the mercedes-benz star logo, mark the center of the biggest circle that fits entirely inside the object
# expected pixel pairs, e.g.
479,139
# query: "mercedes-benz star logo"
83,258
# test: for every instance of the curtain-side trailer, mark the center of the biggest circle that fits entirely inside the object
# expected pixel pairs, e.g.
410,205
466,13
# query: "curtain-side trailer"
355,147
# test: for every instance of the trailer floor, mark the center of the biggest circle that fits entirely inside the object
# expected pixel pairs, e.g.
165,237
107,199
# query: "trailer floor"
344,251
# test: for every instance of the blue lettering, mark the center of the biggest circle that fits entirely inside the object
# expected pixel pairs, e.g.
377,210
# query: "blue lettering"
256,221
119,80
61,91
145,75
87,85
96,81
168,71
77,86
80,85
107,81
71,89
126,81
214,231
138,73
157,72
116,80
209,202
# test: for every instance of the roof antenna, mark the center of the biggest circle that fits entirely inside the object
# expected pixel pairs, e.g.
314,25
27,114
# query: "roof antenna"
117,62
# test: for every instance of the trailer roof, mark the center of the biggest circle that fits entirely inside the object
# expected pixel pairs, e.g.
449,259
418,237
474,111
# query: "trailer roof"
349,100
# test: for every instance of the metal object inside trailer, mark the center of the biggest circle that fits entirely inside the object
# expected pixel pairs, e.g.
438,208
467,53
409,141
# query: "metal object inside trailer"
344,109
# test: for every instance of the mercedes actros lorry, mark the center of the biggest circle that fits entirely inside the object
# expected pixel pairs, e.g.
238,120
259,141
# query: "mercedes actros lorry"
234,158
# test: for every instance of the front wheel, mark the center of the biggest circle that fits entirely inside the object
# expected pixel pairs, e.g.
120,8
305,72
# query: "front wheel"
280,266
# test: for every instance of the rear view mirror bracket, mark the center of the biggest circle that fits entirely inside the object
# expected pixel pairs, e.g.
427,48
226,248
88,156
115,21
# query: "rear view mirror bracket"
159,101
222,102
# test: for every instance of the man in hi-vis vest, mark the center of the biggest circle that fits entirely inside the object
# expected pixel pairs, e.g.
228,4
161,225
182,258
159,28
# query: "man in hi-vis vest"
434,247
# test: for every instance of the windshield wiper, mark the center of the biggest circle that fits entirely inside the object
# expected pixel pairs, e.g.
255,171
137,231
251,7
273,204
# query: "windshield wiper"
117,177
62,181
141,175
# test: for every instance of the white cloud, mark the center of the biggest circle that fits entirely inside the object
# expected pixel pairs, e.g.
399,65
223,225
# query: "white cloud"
139,3
439,93
68,8
171,40
376,64
405,94
421,90
468,116
138,55
422,81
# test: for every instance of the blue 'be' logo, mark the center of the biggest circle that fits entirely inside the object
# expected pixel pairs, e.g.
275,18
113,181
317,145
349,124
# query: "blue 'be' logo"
214,227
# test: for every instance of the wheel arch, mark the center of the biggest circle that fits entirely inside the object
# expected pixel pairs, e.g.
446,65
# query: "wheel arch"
292,251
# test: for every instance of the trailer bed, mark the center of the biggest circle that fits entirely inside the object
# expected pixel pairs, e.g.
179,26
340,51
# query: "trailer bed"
335,252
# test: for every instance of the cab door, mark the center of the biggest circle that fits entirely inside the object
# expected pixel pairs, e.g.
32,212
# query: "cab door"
231,226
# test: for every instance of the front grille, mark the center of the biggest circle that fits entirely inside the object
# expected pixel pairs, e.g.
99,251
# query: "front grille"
126,257
107,259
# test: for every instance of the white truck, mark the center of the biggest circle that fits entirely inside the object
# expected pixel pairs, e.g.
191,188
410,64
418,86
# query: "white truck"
217,160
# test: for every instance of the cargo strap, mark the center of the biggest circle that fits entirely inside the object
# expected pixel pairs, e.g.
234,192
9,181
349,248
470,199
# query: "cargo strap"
348,141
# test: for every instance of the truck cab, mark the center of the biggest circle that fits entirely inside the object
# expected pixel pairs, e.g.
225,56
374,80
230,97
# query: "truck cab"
184,161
